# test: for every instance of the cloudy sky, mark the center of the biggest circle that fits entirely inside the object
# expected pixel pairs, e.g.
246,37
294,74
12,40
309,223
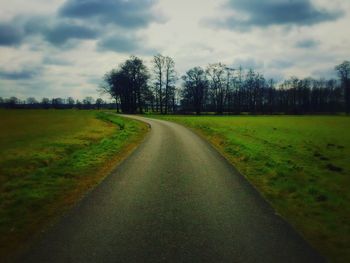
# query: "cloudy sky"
61,48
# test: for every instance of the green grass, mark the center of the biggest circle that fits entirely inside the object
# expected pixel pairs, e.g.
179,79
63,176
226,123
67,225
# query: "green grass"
300,164
49,159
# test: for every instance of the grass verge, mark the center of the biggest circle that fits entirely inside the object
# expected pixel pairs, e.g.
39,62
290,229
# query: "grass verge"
300,164
49,159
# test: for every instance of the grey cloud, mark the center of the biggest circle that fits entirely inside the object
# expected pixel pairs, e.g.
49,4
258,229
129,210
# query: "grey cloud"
56,31
25,88
87,19
23,74
34,25
127,14
281,64
325,73
96,80
66,33
59,34
118,43
56,61
248,63
78,20
10,34
275,12
307,43
124,44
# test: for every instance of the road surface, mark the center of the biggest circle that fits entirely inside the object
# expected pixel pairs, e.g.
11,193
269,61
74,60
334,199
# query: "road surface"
175,199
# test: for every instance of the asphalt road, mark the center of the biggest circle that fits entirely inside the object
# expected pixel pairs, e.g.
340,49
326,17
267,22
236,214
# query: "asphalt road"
175,199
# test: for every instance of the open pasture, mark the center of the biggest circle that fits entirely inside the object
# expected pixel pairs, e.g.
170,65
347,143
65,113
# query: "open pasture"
49,159
301,164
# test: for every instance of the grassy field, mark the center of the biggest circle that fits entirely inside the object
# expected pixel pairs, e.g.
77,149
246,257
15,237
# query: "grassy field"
49,159
300,164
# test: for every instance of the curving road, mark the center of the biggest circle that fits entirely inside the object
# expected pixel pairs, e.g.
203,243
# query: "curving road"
175,199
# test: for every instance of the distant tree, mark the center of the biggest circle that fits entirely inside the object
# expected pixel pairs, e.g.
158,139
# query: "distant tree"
99,103
137,77
45,103
78,104
344,74
110,86
249,87
12,102
195,88
159,71
88,101
57,102
31,101
150,100
270,97
237,96
70,101
1,101
170,80
229,88
128,84
217,85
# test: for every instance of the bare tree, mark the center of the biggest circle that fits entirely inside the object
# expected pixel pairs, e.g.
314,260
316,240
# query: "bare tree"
45,102
229,85
31,101
12,101
217,85
88,100
159,68
344,74
195,87
170,80
70,101
99,103
57,102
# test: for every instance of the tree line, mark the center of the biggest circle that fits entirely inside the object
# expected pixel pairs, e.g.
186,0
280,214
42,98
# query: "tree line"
216,88
56,103
222,89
